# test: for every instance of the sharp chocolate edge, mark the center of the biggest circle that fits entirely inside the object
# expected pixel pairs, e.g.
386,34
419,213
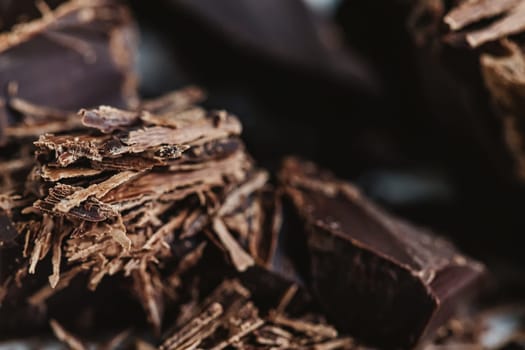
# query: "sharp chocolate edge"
369,268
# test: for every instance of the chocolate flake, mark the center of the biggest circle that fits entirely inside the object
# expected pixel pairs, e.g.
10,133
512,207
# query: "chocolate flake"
108,119
239,257
67,338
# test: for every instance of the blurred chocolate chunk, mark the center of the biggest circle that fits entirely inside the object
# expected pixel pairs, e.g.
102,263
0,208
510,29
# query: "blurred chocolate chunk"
295,37
376,276
85,58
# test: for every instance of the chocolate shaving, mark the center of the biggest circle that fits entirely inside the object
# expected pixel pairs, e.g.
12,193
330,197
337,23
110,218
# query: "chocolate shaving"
148,286
198,328
240,259
512,23
203,130
175,101
91,210
108,119
472,11
176,119
56,259
64,336
68,149
96,190
56,174
40,113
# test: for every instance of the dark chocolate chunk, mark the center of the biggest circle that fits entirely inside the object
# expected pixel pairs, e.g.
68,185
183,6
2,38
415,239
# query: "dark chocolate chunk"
376,276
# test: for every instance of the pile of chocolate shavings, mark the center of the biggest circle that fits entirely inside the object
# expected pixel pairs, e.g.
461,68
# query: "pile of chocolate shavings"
134,191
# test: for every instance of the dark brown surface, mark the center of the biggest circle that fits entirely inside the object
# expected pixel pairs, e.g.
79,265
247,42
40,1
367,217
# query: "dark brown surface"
376,276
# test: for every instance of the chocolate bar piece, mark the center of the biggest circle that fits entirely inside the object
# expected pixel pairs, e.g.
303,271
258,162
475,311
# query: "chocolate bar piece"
376,276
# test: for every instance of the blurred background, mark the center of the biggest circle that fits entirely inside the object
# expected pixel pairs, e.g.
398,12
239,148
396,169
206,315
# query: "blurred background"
338,82
343,83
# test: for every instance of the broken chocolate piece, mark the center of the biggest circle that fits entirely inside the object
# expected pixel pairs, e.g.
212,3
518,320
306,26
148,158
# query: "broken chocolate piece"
376,276
70,340
108,119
